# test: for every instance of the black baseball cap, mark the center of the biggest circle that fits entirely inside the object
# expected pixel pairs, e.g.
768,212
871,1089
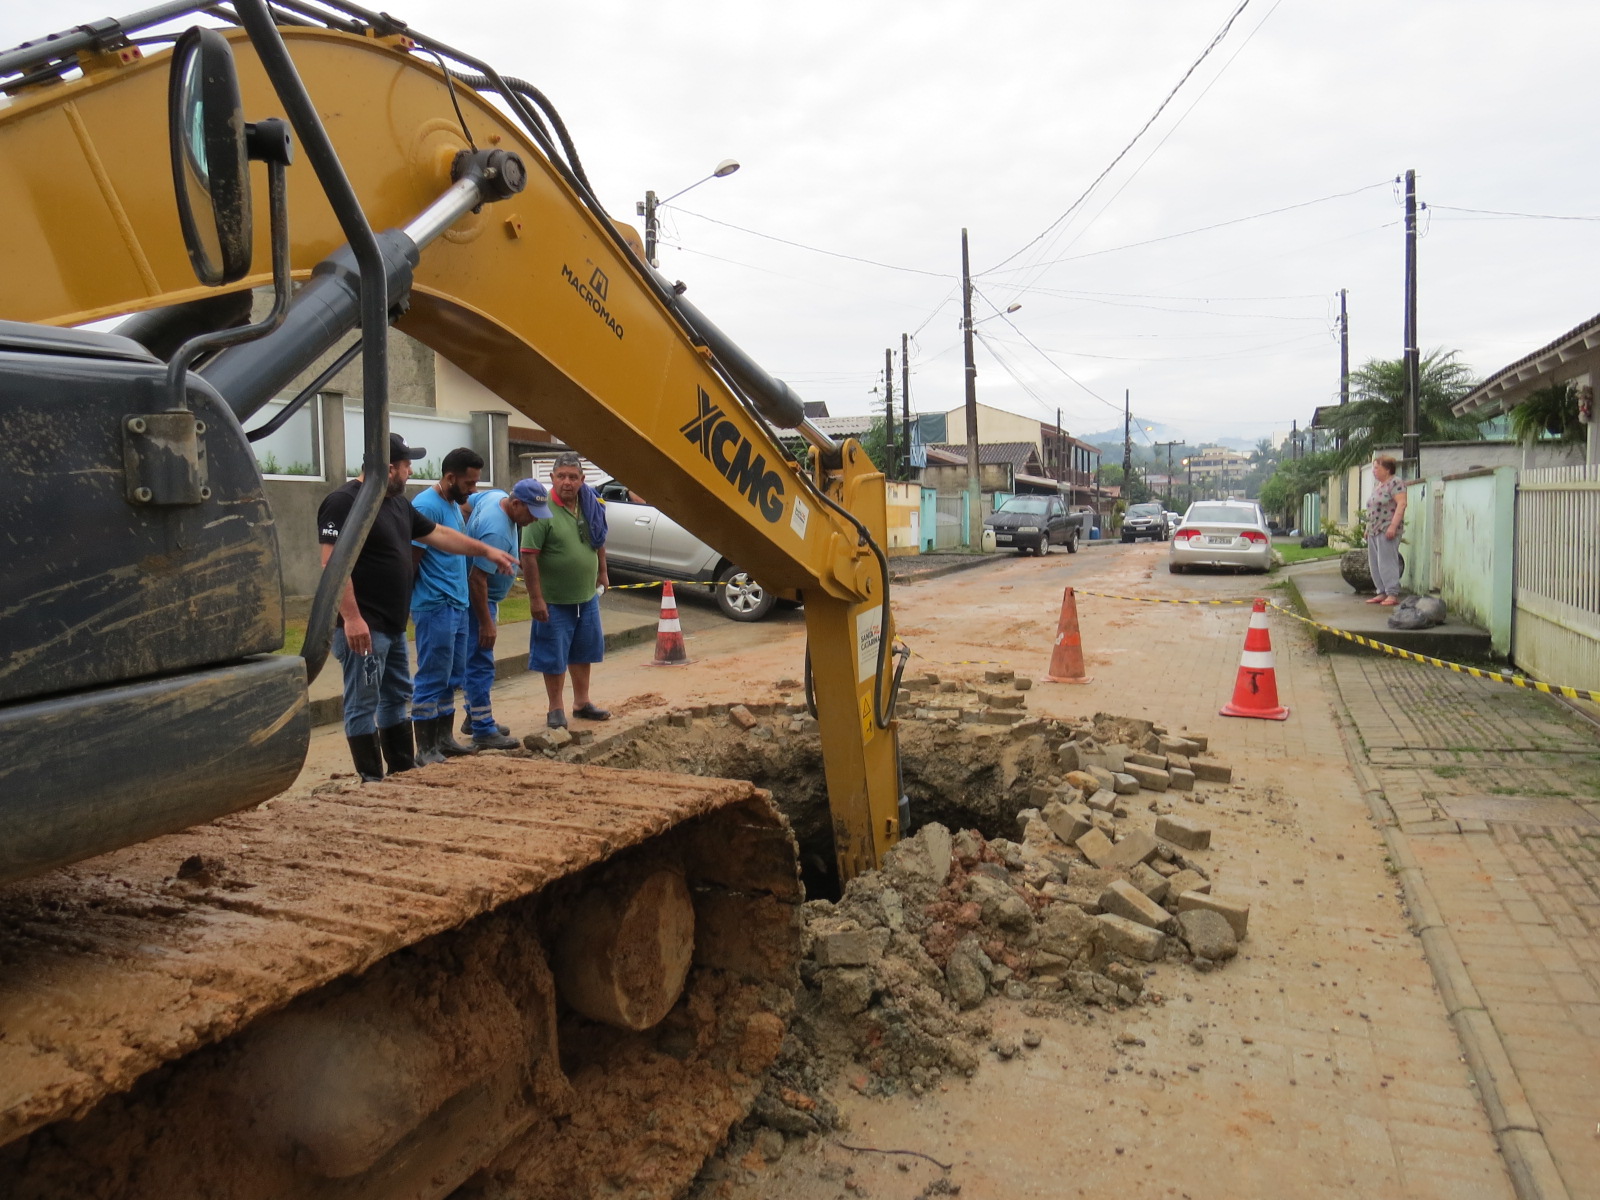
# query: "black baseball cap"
399,451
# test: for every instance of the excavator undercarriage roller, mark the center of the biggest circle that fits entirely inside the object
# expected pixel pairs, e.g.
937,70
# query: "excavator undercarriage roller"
504,977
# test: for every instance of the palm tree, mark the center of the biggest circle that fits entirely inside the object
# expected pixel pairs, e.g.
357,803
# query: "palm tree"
1375,415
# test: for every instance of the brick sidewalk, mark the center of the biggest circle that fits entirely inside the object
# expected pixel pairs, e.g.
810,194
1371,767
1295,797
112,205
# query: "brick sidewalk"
1494,794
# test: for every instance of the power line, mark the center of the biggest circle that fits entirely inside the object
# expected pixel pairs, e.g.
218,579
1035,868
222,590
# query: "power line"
1495,212
1167,237
871,262
1121,154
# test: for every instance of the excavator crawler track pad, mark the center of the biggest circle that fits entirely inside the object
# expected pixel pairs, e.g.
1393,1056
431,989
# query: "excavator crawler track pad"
486,978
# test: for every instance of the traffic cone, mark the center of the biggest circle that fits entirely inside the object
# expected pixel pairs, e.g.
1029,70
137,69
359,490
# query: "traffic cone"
1256,692
1066,660
670,650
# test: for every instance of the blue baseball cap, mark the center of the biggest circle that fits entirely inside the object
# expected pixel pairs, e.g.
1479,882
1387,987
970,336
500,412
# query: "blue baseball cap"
532,493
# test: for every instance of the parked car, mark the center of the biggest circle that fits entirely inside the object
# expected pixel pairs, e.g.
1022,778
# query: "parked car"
1144,521
1221,533
1173,521
1034,523
643,540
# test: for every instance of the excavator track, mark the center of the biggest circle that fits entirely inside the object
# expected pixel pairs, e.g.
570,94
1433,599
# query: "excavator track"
490,977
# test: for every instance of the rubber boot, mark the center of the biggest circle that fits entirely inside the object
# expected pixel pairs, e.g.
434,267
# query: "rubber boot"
466,726
368,757
446,743
495,741
399,750
427,742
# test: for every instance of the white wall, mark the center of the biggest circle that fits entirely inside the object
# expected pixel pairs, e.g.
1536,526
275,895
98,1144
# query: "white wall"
994,425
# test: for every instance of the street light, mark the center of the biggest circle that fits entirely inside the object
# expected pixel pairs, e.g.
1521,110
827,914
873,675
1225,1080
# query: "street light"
647,207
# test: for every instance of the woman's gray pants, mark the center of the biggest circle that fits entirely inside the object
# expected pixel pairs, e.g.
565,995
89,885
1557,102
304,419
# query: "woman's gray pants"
1383,558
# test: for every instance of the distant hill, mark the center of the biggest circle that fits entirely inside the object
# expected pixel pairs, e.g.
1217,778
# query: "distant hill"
1110,440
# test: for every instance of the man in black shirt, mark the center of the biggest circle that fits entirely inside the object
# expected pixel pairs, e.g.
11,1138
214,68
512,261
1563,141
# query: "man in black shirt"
370,642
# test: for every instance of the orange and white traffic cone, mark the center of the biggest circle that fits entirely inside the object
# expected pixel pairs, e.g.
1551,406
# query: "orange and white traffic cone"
670,650
1255,694
1066,659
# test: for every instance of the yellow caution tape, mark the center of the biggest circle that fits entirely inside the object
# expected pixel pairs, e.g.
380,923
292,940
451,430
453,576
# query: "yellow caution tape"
1156,599
960,662
1521,681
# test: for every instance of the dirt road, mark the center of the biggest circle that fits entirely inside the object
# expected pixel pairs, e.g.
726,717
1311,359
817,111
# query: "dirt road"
1318,1063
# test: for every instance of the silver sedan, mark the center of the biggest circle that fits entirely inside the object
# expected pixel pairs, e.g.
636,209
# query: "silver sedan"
1221,533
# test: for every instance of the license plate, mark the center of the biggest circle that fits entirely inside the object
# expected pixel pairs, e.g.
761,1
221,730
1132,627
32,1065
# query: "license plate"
1213,540
1002,537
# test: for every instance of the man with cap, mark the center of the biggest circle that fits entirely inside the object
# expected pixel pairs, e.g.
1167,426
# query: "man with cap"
494,519
370,641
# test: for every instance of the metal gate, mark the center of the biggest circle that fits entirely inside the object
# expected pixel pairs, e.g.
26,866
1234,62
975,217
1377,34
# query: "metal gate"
1555,632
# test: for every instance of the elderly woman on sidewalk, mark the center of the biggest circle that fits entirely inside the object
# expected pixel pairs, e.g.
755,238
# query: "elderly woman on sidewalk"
1386,512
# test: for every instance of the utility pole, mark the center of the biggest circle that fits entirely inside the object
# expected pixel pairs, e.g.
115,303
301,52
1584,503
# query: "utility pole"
1411,445
1294,439
647,210
1060,449
1169,446
974,507
888,414
1344,351
905,406
1127,439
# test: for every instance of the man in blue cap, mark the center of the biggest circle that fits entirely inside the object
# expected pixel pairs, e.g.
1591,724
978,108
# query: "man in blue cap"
495,520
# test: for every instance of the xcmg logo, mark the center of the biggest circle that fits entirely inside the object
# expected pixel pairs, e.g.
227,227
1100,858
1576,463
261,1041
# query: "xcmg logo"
731,453
593,294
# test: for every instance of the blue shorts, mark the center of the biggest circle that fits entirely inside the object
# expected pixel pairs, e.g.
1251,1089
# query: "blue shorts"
571,635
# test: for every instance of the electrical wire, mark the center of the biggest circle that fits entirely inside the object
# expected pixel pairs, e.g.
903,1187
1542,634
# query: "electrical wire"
1121,154
871,262
1495,212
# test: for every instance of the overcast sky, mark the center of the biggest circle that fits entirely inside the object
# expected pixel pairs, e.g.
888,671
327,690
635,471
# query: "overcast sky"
880,130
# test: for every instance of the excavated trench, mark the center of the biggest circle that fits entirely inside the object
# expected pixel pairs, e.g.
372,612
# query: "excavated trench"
961,776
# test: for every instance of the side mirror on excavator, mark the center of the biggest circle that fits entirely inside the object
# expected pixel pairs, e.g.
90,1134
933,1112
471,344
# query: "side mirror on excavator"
210,161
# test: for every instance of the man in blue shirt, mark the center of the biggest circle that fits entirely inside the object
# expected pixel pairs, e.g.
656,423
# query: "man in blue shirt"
439,611
494,520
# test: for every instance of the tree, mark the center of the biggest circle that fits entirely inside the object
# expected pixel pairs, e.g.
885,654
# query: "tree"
1295,478
1375,415
1549,412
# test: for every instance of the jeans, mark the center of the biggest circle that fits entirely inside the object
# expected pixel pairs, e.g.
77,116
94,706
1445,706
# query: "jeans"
377,686
1383,558
441,661
480,674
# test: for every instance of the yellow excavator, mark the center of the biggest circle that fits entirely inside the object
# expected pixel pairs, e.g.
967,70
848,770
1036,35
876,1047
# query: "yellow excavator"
498,977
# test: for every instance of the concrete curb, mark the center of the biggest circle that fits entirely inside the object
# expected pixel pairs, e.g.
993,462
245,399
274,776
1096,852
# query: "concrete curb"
969,562
1516,1129
329,710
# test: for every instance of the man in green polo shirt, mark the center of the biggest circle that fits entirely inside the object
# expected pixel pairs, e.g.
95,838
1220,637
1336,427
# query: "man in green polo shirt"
564,563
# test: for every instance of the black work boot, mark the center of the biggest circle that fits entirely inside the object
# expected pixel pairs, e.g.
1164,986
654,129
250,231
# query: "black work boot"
368,757
399,750
466,726
447,744
427,742
495,741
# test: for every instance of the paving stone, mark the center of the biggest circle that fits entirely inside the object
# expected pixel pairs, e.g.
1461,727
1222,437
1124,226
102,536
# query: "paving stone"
1180,745
1179,761
1210,771
740,715
850,948
1136,847
1201,743
1184,881
680,720
1124,784
1235,912
1067,756
1180,779
547,739
1103,778
1130,938
1152,779
1159,761
1207,934
1000,699
1096,847
1022,683
999,675
1069,822
1184,832
1149,881
1125,900
1103,801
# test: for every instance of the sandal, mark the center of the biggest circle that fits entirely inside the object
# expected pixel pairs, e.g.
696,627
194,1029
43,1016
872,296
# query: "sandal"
590,713
556,719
